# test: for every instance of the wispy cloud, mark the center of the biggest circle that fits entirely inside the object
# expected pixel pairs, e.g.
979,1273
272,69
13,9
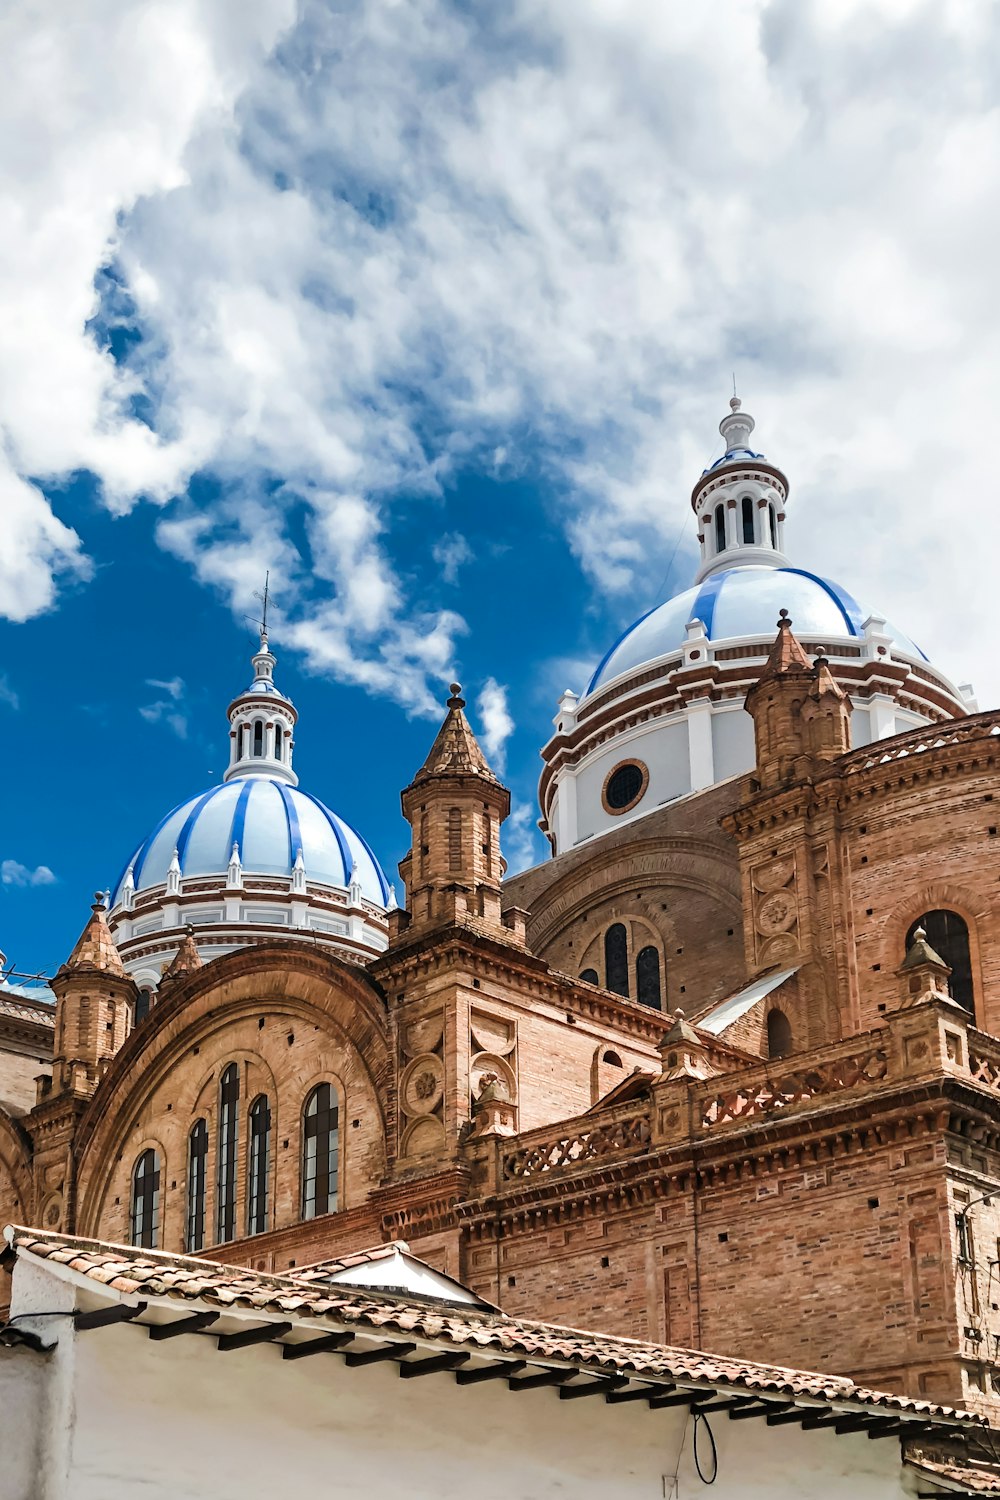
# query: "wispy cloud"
12,872
495,723
7,693
520,840
450,553
563,229
167,710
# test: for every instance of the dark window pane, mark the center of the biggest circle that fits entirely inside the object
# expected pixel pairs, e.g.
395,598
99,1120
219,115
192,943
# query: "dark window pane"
774,527
720,528
258,737
259,1155
948,935
320,1152
624,786
647,978
779,1034
142,1004
146,1200
589,976
616,959
229,1098
197,1160
747,520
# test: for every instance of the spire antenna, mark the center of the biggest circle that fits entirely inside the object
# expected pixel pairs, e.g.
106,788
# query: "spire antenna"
264,599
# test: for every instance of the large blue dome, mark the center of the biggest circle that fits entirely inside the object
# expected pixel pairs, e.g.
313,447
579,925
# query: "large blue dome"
740,602
269,821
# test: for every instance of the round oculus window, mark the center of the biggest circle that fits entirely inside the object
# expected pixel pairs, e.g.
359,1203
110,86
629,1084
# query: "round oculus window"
624,786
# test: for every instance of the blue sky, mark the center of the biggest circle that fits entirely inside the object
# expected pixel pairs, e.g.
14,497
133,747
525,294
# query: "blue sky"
431,309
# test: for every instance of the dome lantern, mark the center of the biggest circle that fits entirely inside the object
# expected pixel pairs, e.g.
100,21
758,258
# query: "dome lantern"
739,503
261,724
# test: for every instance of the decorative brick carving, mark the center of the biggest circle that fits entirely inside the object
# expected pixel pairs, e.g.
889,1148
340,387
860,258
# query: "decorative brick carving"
775,911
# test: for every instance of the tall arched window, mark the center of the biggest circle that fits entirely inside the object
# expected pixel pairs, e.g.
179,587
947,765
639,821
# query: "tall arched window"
948,935
229,1098
647,977
774,527
616,959
320,1145
277,741
258,1155
197,1163
747,507
779,1034
145,1214
720,528
258,737
143,1001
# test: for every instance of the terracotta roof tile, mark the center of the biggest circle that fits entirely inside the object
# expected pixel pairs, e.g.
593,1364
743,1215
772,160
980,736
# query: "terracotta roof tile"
181,1278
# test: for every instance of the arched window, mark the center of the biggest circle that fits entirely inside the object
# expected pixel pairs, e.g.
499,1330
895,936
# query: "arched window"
647,978
589,976
197,1162
277,741
779,1034
612,1059
229,1098
320,1144
616,959
747,507
259,1152
720,528
143,1002
258,737
948,935
774,527
146,1200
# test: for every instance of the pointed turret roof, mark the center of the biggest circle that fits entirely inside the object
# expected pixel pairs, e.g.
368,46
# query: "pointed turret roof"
185,960
826,684
95,947
456,751
786,654
920,953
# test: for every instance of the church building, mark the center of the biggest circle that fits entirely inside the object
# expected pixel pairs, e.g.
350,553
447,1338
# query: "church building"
721,1073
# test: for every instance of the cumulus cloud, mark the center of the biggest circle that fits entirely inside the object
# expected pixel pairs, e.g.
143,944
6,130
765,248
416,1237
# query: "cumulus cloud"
495,723
7,693
519,838
327,256
12,872
168,709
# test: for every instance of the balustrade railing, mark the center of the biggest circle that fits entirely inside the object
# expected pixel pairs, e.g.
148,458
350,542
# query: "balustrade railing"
764,1091
919,741
578,1142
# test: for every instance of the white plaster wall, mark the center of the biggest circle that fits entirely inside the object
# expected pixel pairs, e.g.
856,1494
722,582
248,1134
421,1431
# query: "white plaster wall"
23,1378
861,727
663,748
732,742
180,1420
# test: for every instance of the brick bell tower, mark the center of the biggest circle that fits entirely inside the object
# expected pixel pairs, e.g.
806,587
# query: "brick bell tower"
455,806
95,1000
801,718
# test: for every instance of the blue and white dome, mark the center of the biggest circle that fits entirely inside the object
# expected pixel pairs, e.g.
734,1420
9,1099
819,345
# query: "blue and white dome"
744,602
269,822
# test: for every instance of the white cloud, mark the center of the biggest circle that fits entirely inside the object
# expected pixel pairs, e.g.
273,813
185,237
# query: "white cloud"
167,710
495,723
7,693
12,872
371,244
519,839
451,552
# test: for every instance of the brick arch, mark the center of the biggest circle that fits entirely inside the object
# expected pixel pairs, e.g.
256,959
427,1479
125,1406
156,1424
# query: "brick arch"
17,1196
944,895
282,982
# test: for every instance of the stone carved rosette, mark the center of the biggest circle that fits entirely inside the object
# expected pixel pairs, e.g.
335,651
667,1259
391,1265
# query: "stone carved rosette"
775,912
421,1086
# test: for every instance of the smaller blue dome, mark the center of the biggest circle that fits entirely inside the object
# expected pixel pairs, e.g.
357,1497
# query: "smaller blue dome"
741,602
269,822
734,455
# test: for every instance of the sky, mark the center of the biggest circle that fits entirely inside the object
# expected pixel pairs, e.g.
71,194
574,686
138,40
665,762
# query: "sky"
431,309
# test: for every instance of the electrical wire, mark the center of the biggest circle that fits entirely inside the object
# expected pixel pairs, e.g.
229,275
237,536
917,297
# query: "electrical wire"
699,1422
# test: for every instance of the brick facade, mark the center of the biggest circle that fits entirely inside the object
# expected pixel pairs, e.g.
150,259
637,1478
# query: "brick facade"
541,1138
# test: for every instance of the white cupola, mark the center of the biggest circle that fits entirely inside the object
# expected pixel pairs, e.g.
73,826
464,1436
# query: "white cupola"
739,503
261,725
